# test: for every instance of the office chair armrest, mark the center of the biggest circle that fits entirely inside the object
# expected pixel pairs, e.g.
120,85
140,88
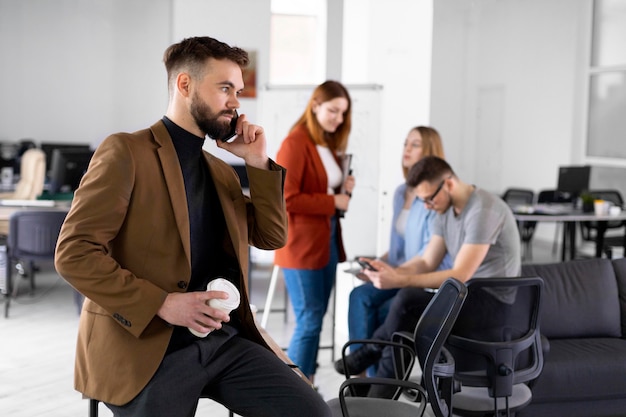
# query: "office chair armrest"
411,390
402,336
445,367
403,355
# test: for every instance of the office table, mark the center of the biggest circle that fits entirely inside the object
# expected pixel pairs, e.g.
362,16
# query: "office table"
570,219
7,210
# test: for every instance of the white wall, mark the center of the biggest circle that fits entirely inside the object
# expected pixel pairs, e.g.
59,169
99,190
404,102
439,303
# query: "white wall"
77,70
388,43
516,67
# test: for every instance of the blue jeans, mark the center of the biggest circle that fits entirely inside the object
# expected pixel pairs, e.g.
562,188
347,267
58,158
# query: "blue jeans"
309,291
367,309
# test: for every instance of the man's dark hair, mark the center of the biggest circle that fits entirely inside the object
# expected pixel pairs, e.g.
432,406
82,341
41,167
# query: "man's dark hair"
191,55
429,169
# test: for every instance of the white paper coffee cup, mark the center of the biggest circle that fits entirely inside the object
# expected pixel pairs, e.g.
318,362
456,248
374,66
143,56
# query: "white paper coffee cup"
229,304
226,305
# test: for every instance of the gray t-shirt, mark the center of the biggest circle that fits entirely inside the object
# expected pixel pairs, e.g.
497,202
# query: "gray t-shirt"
486,219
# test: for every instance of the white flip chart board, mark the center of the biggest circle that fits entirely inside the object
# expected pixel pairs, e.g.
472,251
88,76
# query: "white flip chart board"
281,106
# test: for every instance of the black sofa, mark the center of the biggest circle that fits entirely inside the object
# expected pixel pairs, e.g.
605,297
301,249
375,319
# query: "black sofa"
583,316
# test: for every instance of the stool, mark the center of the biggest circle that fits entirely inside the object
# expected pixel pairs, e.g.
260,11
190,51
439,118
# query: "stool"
268,309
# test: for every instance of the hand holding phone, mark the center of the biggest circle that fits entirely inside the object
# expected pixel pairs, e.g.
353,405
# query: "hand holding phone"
232,131
366,265
233,128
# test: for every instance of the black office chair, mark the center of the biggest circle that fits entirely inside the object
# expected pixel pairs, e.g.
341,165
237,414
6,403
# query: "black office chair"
426,343
589,230
32,237
496,345
522,197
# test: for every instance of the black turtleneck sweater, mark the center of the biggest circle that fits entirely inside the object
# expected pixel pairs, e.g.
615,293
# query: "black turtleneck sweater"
206,220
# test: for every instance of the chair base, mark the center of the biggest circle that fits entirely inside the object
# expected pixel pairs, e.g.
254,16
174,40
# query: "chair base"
475,401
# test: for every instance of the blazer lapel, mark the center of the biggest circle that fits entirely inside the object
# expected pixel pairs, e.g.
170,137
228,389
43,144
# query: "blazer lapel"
175,183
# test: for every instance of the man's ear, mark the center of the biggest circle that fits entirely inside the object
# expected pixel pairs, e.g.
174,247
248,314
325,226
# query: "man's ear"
183,82
450,183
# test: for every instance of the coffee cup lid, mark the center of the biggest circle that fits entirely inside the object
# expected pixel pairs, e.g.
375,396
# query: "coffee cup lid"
221,284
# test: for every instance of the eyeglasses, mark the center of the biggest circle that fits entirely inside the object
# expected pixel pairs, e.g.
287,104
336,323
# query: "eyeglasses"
429,201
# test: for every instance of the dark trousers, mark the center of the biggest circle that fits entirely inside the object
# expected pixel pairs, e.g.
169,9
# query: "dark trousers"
404,313
243,376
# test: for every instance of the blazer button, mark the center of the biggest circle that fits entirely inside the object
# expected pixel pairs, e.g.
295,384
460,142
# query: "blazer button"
182,285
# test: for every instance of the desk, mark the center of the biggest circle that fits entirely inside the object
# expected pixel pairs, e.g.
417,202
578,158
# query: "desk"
569,231
6,211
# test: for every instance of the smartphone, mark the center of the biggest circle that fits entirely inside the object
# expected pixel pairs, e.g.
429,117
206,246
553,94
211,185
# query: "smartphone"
366,265
231,133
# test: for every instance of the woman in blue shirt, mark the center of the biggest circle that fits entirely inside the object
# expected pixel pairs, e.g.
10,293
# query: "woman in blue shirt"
410,233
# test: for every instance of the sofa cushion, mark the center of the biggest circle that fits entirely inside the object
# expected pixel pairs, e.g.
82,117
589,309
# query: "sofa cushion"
582,369
579,299
619,265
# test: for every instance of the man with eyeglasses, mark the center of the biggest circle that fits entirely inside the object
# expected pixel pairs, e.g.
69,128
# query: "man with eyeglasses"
476,227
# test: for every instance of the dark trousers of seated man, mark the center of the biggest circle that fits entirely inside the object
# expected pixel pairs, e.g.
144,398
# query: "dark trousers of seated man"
242,375
404,312
482,317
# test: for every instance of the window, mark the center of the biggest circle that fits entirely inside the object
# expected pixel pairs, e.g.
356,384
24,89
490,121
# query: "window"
607,81
298,42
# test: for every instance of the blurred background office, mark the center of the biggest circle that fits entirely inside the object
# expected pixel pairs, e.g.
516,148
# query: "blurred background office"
518,88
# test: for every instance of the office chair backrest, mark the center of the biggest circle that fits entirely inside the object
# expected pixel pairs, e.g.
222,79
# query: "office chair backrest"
496,340
32,175
33,233
429,336
518,197
552,196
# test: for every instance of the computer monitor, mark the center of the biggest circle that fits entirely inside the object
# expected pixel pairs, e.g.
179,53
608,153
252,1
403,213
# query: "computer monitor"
49,147
67,167
573,180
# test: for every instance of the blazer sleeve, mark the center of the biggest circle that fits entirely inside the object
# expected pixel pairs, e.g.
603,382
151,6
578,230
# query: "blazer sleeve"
267,218
85,255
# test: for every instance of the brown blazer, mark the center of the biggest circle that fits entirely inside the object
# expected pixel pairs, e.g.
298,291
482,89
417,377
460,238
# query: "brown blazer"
125,245
309,206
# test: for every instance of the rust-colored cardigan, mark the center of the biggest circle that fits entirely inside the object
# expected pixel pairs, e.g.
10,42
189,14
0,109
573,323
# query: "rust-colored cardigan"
309,206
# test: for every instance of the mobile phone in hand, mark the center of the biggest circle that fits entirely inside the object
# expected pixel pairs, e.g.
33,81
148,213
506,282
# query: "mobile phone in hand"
233,128
366,265
232,131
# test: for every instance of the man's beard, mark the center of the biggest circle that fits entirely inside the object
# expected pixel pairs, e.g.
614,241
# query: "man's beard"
208,121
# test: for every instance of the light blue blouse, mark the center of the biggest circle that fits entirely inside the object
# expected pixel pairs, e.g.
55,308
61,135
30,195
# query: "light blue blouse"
416,234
